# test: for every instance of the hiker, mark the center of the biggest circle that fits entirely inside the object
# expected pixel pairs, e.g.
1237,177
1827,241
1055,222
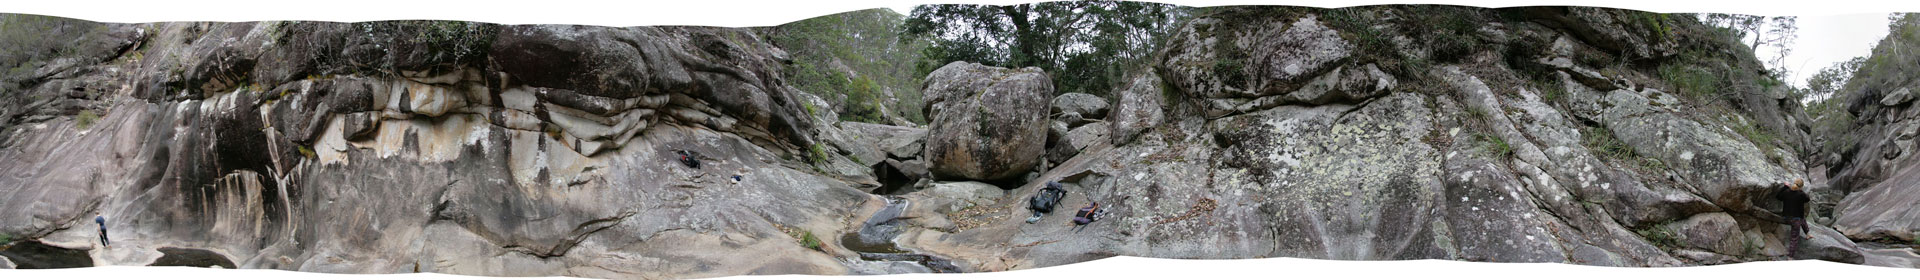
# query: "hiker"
1793,205
102,221
1043,201
688,159
1086,216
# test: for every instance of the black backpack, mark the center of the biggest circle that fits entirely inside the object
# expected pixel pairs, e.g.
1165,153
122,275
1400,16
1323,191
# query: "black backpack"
1046,199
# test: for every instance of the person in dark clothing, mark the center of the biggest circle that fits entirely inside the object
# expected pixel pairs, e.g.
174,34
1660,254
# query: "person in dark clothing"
1043,201
1793,205
102,221
1086,216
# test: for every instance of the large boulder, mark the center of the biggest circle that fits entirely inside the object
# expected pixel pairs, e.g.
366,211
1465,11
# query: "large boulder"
1239,66
1829,245
1716,232
1139,108
1898,97
721,78
1085,105
1884,211
988,123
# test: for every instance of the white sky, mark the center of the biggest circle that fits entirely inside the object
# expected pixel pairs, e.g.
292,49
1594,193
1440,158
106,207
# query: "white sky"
1825,40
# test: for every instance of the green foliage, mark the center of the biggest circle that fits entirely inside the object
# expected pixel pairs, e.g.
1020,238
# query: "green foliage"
86,118
5,238
1230,63
432,42
29,42
1656,26
1552,94
1690,81
304,151
1496,146
853,58
1449,30
1760,137
1087,46
1476,113
807,239
1376,46
818,153
1830,79
1600,141
1890,67
1830,118
1660,235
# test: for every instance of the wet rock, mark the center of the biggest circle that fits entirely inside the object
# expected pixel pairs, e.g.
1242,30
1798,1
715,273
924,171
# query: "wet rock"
171,256
988,123
36,255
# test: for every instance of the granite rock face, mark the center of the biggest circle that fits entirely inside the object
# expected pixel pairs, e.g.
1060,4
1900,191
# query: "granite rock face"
1873,167
558,151
986,123
489,150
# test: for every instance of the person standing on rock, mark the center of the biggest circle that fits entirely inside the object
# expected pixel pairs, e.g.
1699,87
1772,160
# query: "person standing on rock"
102,221
1793,205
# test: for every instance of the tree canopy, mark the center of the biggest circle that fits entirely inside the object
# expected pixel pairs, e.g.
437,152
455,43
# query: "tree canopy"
856,60
1086,46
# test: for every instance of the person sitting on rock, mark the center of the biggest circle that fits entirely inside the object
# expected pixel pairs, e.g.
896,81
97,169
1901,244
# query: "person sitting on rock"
1043,202
1087,215
1793,206
688,159
102,221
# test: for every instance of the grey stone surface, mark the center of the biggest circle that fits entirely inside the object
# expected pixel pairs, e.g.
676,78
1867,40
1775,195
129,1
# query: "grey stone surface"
987,123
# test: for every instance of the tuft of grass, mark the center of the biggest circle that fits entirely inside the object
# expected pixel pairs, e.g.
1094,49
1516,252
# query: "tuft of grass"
1760,137
807,239
1600,141
304,151
5,238
1660,235
1230,63
1552,94
1476,113
1497,147
818,153
87,118
1693,82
